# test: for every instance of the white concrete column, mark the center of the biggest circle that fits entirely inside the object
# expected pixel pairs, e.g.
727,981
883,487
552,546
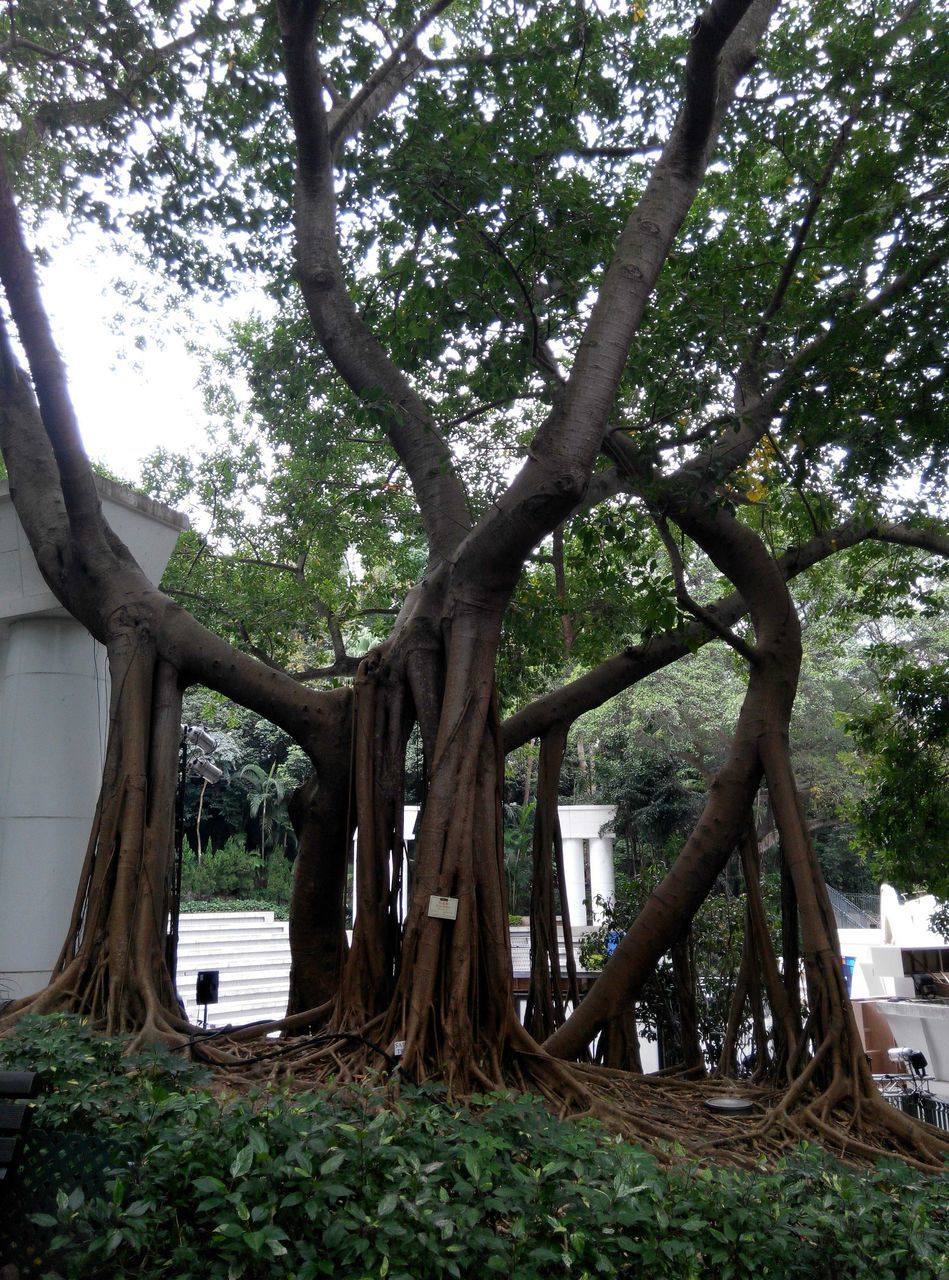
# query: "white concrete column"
579,822
410,819
602,877
575,887
404,890
55,702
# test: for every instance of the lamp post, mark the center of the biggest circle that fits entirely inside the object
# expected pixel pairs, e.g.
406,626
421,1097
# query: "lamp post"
202,767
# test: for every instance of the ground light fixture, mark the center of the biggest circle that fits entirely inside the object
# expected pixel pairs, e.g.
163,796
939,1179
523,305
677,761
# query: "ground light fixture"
206,989
726,1104
199,738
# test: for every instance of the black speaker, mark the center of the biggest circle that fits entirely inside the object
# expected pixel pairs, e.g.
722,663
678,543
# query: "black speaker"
206,989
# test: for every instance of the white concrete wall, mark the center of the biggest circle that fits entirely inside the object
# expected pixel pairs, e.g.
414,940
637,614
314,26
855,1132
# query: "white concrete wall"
54,702
922,1025
878,953
905,921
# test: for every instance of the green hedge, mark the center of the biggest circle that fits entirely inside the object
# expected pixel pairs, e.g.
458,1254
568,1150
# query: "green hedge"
197,906
357,1184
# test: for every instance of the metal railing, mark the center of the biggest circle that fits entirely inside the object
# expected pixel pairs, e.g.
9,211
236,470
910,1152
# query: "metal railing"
858,911
922,1106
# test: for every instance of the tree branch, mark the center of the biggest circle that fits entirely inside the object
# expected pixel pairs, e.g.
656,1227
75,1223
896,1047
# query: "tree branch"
540,351
837,153
636,662
384,84
343,668
708,617
353,349
57,419
806,356
564,451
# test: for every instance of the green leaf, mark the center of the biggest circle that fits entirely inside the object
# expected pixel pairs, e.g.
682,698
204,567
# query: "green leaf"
332,1163
242,1161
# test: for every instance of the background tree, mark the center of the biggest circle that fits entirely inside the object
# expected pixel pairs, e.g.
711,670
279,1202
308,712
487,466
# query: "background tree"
902,820
715,946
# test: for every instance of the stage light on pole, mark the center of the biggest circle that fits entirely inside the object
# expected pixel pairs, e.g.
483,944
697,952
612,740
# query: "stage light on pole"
205,769
200,738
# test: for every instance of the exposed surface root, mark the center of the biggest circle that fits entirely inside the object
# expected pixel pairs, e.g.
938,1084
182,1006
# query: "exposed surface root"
667,1115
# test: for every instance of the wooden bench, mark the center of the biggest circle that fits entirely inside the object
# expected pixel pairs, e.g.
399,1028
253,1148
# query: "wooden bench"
15,1115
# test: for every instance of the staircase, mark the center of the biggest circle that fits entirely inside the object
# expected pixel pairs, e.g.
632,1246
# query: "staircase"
250,950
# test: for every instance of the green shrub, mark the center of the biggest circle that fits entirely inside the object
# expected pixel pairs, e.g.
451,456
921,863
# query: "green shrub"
234,869
231,871
90,1081
195,876
279,877
401,1183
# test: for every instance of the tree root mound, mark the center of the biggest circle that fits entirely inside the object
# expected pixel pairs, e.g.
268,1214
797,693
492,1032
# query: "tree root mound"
667,1115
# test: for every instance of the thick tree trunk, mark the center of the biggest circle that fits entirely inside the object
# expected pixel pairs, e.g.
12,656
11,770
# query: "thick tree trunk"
684,977
453,1001
546,1004
323,813
674,902
113,967
785,1031
618,1045
790,946
765,715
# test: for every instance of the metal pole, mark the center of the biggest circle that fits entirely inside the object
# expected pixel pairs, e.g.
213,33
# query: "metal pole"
171,949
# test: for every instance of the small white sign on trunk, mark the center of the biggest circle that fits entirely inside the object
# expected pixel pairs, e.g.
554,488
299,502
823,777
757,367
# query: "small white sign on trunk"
443,908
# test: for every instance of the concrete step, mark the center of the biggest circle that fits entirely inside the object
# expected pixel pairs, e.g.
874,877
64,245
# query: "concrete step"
276,965
222,1013
226,918
243,998
227,946
207,924
229,1005
239,978
265,931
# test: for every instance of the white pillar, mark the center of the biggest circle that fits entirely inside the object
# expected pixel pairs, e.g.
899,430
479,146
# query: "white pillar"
579,822
55,704
410,818
602,877
575,886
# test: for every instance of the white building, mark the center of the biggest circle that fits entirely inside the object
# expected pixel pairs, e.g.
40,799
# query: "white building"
887,963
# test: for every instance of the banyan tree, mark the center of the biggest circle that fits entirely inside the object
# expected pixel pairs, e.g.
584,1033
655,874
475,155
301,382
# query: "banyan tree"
542,279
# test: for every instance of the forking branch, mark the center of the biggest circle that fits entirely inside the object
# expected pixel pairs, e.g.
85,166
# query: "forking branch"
354,350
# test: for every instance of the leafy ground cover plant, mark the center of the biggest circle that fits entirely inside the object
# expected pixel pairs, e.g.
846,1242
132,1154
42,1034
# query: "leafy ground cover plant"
397,1181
